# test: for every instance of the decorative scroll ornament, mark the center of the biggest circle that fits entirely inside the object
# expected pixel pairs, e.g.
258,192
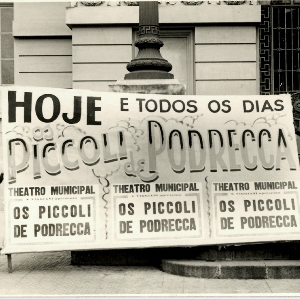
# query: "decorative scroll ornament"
136,3
192,2
92,3
238,2
131,3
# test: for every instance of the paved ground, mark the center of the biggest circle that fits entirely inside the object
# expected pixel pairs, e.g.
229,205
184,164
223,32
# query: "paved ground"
51,274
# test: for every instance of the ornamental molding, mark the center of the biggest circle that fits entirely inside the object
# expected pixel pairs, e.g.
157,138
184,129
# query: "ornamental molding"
166,3
148,29
192,2
149,64
235,2
143,42
131,3
92,3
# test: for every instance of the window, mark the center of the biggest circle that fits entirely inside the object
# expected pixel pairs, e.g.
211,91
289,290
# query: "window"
178,51
280,49
286,49
280,53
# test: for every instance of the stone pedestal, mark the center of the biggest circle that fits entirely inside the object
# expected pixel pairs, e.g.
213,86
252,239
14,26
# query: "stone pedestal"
154,86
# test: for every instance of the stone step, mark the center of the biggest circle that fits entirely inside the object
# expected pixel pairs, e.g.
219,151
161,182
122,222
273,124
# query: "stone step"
264,269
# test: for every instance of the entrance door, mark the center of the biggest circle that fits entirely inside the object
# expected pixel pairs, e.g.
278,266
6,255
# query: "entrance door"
178,51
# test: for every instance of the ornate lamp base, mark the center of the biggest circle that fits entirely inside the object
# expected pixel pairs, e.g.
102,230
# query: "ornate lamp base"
148,64
148,75
166,86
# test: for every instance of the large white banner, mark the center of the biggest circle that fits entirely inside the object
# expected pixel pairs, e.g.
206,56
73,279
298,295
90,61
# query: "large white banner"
88,170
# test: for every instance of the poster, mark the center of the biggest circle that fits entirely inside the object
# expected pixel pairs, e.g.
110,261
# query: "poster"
92,170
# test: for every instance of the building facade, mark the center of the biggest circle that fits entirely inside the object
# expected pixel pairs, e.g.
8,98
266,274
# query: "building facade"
212,45
216,47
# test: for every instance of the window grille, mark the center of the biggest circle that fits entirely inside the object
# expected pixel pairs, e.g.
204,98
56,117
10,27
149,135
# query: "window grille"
280,52
265,51
280,49
286,49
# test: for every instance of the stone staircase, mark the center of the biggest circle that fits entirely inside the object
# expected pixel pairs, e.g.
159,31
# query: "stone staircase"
268,269
278,260
257,261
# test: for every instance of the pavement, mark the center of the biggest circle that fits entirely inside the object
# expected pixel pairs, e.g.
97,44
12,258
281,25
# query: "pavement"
50,273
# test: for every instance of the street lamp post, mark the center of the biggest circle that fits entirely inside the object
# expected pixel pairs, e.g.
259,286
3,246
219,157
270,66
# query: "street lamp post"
149,71
148,64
